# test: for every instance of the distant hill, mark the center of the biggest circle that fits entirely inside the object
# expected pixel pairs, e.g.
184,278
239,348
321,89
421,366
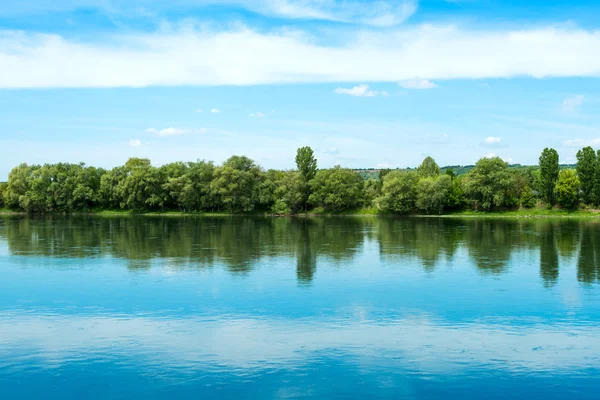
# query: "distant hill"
373,173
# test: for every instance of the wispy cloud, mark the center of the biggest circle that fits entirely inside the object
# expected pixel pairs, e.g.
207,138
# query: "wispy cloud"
247,57
199,110
173,131
361,91
417,83
257,115
492,141
215,111
583,142
381,13
135,143
571,103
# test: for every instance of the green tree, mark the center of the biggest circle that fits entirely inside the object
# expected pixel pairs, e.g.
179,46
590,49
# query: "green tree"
586,171
372,192
336,189
18,185
428,168
567,189
597,181
140,187
487,183
289,193
87,188
3,186
399,192
306,163
455,198
235,184
432,193
307,166
549,170
528,199
110,196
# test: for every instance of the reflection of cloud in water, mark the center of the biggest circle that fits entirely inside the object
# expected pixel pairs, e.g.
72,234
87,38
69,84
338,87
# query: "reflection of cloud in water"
242,344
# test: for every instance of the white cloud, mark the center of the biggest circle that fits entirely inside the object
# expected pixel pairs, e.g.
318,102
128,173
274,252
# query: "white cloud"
417,83
490,155
571,103
492,140
257,115
135,143
380,13
375,13
359,91
174,131
583,142
215,111
247,57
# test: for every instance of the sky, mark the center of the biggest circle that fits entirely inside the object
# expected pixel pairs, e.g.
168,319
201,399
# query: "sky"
366,84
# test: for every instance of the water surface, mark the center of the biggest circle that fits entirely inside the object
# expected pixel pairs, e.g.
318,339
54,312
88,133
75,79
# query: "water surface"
226,307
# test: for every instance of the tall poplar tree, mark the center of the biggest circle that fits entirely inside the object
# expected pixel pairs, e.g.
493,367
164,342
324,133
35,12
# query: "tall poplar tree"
549,170
586,171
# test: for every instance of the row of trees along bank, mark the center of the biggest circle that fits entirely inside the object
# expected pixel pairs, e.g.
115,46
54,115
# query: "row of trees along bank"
240,185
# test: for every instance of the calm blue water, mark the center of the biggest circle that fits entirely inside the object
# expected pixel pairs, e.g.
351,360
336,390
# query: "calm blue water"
96,308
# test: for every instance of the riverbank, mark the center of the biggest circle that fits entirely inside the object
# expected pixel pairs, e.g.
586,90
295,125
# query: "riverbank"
523,213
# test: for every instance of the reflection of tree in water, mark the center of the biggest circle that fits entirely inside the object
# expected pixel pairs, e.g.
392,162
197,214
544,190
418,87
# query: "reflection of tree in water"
236,242
306,253
548,254
567,237
428,239
240,243
588,264
490,243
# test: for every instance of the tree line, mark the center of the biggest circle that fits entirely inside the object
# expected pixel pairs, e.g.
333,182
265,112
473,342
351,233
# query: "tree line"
241,185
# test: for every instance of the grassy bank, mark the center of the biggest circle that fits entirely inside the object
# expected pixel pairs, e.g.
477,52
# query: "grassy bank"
522,213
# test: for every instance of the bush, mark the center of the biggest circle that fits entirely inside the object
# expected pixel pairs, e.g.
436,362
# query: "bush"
567,189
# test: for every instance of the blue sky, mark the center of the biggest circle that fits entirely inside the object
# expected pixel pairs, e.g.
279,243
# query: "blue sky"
366,84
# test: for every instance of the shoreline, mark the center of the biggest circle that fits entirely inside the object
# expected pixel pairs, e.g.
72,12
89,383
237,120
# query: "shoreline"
519,214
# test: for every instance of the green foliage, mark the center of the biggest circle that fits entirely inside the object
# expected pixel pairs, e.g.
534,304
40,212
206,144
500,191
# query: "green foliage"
567,189
398,193
428,168
528,199
455,198
307,166
597,180
289,190
372,192
306,163
586,171
188,185
240,185
549,170
281,208
236,184
3,186
432,193
336,189
488,182
450,173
